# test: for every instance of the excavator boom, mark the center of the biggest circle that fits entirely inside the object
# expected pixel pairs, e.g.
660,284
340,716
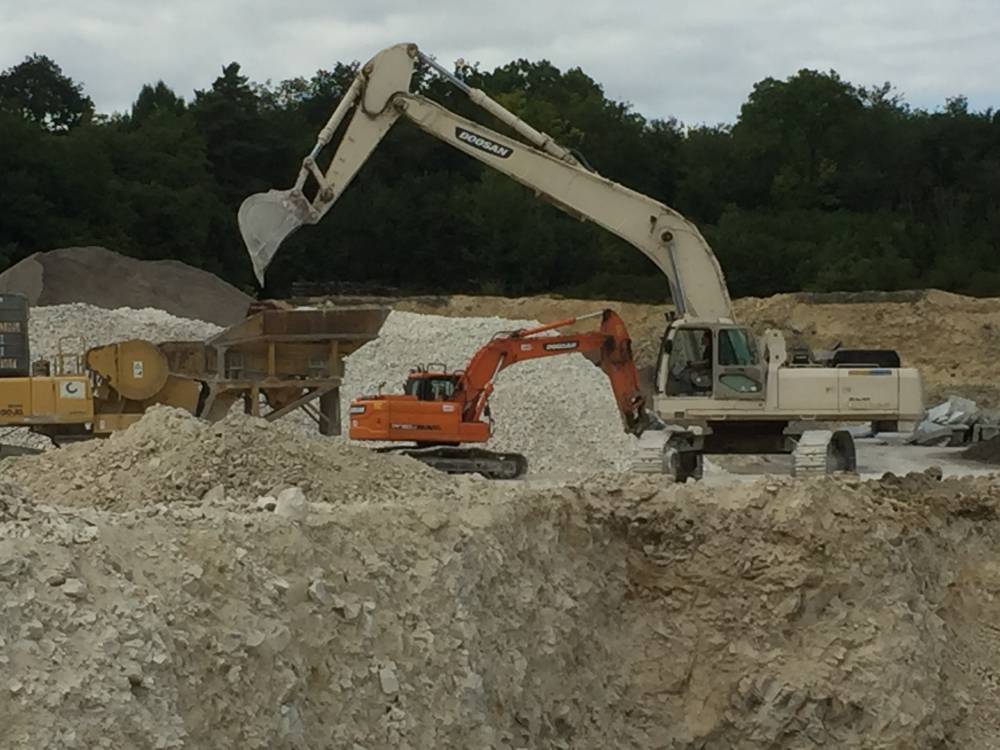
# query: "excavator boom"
610,346
380,95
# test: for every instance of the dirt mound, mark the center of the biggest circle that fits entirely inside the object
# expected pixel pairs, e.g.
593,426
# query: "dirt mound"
777,614
987,451
853,298
104,278
170,456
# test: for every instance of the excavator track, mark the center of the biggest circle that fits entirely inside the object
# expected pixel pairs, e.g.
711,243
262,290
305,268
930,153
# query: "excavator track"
821,452
656,455
450,460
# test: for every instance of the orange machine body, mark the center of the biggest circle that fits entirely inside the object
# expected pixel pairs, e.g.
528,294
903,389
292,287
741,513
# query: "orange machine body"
450,408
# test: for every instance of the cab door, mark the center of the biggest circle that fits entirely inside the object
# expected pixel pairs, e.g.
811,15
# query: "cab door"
738,373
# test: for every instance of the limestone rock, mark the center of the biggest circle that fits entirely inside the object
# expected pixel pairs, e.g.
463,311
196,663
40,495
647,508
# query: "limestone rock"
291,503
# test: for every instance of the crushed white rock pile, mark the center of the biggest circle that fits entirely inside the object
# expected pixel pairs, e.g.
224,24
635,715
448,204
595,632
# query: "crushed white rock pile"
77,327
559,412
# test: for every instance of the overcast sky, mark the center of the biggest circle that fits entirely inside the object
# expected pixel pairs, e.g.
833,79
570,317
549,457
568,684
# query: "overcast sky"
693,60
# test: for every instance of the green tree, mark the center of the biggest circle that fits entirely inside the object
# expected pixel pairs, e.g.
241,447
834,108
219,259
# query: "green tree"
38,90
154,99
792,138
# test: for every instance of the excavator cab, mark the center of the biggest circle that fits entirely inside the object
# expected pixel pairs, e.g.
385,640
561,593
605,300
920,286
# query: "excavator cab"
431,386
710,360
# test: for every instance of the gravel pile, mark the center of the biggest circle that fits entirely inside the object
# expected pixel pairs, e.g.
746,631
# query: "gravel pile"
559,412
171,456
80,326
108,279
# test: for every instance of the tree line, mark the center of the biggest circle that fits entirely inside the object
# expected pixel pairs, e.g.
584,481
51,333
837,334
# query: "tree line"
819,185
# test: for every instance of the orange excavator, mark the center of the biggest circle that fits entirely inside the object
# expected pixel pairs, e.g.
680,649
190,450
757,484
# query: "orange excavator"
440,411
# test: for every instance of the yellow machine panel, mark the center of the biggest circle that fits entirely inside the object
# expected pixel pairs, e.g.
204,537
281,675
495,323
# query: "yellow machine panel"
136,369
63,399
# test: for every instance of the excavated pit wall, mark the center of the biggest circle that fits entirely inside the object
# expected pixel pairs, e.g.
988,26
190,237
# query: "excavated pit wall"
382,627
427,611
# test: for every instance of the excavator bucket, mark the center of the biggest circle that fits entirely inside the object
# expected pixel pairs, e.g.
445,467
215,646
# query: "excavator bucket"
265,221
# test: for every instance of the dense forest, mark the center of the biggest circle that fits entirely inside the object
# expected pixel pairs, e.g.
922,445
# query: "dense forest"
820,184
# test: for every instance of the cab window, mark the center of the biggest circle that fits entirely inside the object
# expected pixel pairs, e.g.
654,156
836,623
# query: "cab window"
736,348
441,390
430,389
690,363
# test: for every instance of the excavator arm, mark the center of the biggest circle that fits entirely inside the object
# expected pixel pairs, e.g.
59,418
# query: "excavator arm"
610,346
380,95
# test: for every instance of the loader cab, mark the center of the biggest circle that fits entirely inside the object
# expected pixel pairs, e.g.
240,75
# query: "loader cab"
710,360
429,385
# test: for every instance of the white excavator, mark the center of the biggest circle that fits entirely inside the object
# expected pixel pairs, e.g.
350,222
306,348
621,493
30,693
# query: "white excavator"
718,389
